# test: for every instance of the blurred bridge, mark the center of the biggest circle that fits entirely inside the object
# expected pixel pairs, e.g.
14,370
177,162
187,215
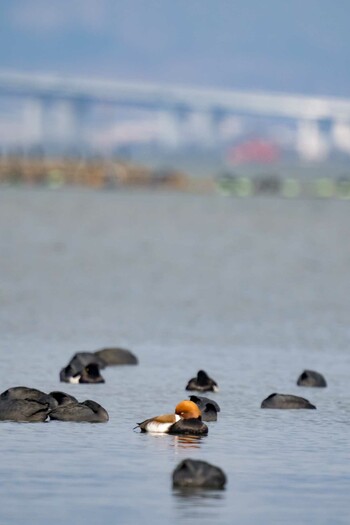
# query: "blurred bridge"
74,95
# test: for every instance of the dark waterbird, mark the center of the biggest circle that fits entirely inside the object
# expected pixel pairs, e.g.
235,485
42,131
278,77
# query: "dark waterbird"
286,401
88,374
208,407
23,404
102,358
28,394
196,474
71,410
312,379
23,410
202,383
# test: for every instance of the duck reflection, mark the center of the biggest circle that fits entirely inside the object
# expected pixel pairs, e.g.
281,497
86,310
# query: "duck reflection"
195,494
188,441
195,504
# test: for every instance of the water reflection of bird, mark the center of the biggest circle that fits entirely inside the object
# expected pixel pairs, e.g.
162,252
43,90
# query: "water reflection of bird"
187,419
187,441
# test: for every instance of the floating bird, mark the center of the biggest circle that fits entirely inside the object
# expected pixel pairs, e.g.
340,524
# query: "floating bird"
116,356
202,383
311,378
23,404
187,419
101,358
87,411
208,407
62,398
27,394
286,401
89,374
192,473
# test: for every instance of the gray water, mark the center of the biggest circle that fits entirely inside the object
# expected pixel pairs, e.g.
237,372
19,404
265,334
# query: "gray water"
253,291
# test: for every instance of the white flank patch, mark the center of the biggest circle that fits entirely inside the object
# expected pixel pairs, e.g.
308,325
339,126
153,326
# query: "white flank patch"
74,379
215,389
159,427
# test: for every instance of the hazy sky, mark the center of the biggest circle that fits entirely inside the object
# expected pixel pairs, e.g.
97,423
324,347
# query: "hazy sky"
292,46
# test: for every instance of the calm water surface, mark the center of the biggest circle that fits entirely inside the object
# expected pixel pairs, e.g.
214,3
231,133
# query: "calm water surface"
253,291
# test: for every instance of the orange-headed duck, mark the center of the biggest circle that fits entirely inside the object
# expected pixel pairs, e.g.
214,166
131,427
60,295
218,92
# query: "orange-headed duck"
202,383
187,419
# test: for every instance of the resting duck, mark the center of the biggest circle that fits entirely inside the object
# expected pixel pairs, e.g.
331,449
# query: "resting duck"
208,407
187,419
311,378
88,374
202,383
88,411
286,401
103,358
24,404
191,473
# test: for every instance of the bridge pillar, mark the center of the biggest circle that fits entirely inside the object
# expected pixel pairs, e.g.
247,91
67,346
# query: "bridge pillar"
63,124
311,144
32,122
341,135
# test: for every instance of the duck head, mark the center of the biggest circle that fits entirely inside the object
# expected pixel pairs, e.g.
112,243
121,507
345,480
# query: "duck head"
188,410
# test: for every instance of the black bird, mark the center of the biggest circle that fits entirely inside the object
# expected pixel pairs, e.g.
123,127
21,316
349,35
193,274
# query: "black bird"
23,404
311,378
87,411
208,407
192,473
202,383
285,401
88,374
23,410
27,394
102,358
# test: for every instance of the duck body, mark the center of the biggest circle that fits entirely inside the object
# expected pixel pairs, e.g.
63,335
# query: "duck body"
24,393
286,401
208,407
192,426
87,374
312,379
88,411
116,356
185,420
62,398
102,358
192,473
23,410
159,424
202,383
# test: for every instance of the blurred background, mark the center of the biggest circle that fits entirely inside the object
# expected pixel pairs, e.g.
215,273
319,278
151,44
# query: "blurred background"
188,89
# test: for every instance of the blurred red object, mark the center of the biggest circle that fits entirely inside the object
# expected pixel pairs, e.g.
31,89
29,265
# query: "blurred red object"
255,150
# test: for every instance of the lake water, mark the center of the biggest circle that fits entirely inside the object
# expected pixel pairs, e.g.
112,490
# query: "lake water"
253,291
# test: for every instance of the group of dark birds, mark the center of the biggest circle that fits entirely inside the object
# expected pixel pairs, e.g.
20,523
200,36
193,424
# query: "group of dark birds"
23,404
